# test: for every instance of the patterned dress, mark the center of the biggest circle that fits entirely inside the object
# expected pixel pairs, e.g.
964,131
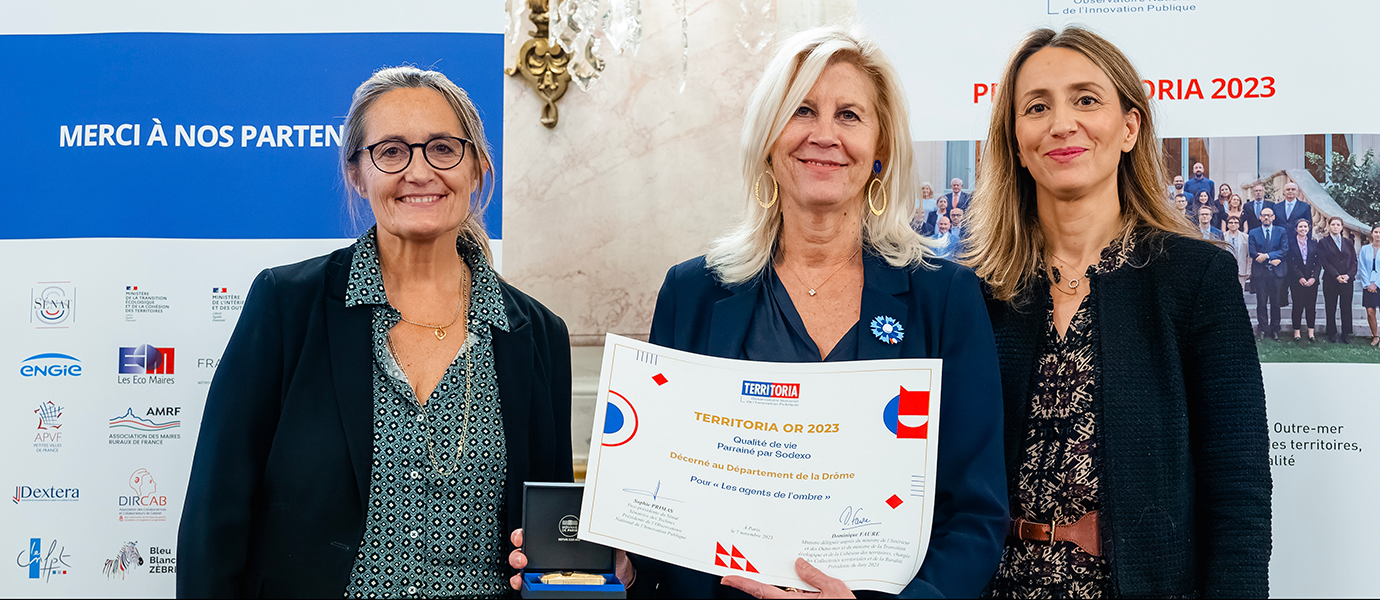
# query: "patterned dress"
434,525
1060,472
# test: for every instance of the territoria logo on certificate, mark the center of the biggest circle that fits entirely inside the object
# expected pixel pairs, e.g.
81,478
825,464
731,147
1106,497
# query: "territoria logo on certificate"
771,394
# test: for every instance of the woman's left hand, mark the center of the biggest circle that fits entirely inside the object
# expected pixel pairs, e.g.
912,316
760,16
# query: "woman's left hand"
829,587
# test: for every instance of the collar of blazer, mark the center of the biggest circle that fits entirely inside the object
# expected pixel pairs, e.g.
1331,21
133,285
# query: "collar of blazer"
882,287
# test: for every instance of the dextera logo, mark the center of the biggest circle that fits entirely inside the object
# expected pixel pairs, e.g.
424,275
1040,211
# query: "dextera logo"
771,390
50,364
146,360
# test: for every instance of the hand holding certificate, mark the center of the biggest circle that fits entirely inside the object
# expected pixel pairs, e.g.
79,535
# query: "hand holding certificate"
738,468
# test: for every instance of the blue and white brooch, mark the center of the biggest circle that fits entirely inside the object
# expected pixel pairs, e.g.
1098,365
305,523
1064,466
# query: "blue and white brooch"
887,330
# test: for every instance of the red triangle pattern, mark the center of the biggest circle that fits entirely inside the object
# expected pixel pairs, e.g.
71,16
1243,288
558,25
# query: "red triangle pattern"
733,556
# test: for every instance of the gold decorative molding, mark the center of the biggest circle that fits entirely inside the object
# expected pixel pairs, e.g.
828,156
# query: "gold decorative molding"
542,65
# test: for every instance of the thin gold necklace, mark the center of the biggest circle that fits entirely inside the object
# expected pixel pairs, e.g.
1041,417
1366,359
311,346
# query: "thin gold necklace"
1073,282
813,288
426,426
440,330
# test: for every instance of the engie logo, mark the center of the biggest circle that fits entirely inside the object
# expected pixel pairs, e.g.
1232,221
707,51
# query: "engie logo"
764,389
50,364
53,304
24,493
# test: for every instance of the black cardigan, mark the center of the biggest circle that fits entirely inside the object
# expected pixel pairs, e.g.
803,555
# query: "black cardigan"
1186,477
275,502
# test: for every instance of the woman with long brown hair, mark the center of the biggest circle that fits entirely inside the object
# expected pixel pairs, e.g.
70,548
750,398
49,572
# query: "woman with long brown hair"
1136,438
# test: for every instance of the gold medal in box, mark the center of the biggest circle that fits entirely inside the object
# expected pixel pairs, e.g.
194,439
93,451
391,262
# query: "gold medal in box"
559,563
572,578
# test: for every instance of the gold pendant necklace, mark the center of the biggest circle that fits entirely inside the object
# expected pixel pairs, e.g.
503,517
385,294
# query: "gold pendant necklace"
813,288
440,330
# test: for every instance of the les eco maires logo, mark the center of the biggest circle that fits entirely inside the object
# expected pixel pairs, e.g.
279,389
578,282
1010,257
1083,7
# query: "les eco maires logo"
146,364
50,364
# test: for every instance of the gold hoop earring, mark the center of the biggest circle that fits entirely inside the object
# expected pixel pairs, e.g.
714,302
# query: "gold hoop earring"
756,190
871,192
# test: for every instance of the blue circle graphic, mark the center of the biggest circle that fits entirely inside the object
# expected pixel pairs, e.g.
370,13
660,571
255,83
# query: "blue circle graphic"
613,419
891,413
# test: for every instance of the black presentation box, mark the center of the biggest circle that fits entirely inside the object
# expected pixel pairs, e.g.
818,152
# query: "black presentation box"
550,521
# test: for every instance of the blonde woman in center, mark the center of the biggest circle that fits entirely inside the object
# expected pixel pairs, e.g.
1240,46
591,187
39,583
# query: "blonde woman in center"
824,266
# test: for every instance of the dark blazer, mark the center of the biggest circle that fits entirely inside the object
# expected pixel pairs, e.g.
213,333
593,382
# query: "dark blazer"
944,317
275,504
1337,261
1297,267
1248,211
1186,489
961,201
1273,249
1302,210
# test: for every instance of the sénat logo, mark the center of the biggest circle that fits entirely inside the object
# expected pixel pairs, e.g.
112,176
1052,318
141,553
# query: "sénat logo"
764,389
50,364
53,305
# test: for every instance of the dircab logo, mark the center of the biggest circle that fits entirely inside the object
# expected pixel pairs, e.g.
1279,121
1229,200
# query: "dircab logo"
146,504
146,364
53,305
50,364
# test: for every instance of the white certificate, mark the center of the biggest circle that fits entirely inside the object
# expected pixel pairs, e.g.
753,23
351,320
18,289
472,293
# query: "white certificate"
738,467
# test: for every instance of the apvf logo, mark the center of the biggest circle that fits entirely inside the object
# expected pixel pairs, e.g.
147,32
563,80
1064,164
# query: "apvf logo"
48,438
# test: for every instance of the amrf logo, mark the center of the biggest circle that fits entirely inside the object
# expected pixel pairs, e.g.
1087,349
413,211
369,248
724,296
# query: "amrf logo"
50,364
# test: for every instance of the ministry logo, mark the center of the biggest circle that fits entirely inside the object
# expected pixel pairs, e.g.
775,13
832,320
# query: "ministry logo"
53,305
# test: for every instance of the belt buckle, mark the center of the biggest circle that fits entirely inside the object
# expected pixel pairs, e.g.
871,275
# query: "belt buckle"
1053,526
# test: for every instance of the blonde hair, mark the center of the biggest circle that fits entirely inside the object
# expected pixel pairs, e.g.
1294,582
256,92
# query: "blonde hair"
745,250
395,78
1006,243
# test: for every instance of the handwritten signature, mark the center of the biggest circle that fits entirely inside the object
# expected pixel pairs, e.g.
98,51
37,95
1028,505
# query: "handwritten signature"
48,563
654,494
853,519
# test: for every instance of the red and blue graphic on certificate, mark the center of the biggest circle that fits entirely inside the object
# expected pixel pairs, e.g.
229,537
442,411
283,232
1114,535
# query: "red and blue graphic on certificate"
738,467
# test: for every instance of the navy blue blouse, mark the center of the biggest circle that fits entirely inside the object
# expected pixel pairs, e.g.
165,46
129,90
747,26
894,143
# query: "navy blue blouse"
778,334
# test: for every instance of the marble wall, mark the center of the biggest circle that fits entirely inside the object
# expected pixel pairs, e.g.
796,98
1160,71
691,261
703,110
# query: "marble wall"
637,176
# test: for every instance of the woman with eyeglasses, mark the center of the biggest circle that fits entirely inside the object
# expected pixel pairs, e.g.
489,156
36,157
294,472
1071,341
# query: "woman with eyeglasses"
377,409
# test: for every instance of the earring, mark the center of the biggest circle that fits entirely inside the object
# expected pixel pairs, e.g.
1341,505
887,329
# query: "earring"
756,190
871,190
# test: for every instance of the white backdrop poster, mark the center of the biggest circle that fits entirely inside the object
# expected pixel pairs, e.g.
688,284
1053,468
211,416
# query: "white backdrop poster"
1248,89
158,155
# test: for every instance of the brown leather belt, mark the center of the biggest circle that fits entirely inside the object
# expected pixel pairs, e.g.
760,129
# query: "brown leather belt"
1083,533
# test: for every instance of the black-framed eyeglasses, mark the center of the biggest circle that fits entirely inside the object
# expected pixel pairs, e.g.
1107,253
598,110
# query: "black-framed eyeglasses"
394,156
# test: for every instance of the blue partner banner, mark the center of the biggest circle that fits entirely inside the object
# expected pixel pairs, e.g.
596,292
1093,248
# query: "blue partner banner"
218,136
